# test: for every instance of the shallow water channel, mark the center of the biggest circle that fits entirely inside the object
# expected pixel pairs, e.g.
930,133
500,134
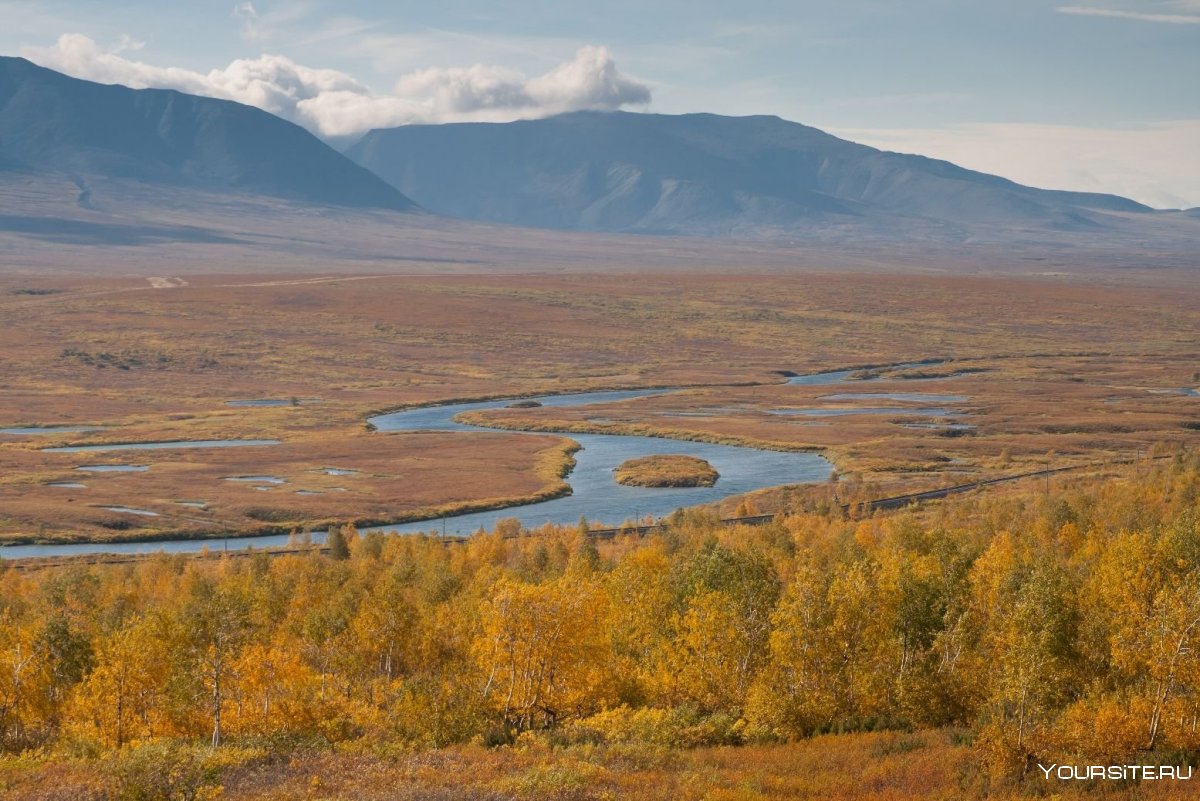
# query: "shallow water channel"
164,446
595,495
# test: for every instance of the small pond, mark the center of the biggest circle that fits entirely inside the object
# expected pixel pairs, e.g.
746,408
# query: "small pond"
114,468
258,479
131,511
33,431
896,411
163,446
912,397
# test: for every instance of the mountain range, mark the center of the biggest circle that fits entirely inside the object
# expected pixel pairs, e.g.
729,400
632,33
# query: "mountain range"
704,174
85,162
51,124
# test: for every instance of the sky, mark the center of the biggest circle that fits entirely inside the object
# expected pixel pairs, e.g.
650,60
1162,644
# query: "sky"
1095,95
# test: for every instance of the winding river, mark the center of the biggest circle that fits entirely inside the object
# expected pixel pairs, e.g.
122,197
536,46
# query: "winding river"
595,495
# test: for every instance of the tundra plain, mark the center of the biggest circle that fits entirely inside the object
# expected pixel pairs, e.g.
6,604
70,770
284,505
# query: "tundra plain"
1072,367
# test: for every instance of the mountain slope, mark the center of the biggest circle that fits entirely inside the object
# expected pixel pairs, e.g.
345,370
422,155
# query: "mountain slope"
707,174
51,124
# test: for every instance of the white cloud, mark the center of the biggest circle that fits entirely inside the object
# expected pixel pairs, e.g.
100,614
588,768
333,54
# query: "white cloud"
127,44
261,26
332,103
591,80
248,15
80,56
1143,16
1157,164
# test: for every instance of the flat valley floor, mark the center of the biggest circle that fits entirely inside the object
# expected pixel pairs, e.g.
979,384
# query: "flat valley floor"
1003,374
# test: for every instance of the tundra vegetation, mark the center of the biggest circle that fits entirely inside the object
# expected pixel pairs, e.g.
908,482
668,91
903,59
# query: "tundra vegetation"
666,470
939,652
1057,369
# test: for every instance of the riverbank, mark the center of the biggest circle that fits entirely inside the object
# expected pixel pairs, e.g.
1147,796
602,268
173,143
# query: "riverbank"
300,485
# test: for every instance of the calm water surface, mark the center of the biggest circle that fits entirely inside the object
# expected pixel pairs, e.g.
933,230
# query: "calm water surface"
595,496
164,446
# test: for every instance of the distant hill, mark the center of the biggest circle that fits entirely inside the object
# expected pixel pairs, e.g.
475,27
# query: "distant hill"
54,125
710,175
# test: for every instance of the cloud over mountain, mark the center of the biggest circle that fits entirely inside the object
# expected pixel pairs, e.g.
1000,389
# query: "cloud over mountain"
332,103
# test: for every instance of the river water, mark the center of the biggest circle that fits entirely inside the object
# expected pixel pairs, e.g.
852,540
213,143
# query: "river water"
595,494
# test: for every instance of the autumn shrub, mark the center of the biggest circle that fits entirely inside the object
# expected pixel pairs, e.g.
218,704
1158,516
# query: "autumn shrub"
575,734
734,794
897,744
164,770
625,725
436,712
1105,730
551,780
678,727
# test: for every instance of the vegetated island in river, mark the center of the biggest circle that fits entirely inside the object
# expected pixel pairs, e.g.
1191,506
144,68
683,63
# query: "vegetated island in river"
666,470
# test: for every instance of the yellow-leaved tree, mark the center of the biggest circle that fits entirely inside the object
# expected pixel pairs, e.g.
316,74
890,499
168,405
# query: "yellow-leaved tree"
24,682
542,651
121,699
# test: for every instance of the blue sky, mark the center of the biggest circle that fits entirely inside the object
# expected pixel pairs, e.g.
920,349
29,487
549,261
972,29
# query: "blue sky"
1082,94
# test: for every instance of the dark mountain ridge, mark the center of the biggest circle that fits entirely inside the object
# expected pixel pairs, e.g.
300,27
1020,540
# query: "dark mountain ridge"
54,124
